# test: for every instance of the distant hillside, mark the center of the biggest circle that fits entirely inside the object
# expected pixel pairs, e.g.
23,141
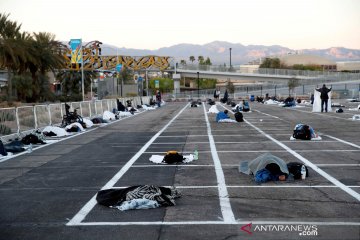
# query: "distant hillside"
218,51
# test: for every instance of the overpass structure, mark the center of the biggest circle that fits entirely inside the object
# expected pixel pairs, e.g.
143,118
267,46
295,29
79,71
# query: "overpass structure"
263,75
262,78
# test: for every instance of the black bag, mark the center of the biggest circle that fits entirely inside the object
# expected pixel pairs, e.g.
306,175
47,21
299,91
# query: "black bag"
31,138
339,110
239,117
193,104
112,197
2,149
302,133
173,157
295,169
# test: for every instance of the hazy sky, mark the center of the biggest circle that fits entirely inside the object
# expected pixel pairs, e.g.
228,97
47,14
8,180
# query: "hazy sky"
151,24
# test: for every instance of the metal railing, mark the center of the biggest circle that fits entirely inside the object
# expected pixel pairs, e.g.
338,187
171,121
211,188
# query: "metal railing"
341,91
326,76
14,121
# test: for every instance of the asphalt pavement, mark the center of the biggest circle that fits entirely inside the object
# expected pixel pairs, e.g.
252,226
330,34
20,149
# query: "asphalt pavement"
50,192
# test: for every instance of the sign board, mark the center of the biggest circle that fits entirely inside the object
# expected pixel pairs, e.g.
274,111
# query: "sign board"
75,45
157,83
118,67
176,76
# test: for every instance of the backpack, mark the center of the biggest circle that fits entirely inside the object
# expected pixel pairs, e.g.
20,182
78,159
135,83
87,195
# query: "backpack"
302,132
295,169
239,117
339,110
173,157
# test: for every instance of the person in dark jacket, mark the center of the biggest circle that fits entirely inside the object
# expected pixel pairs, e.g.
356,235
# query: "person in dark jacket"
324,97
158,98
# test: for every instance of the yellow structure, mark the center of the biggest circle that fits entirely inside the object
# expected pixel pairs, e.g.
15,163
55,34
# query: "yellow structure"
94,61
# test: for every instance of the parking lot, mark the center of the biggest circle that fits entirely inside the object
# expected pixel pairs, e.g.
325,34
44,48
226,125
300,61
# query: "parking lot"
50,193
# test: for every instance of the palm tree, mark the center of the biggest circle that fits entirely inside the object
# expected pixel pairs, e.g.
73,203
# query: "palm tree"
200,59
71,81
46,55
183,62
192,59
9,31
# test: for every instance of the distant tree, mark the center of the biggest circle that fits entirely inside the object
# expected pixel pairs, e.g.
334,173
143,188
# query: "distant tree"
23,85
230,87
200,60
71,81
271,63
9,48
207,83
126,75
192,59
207,61
307,67
165,85
183,62
292,84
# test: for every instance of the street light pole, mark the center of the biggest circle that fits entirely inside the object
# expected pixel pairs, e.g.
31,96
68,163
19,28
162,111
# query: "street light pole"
198,82
230,58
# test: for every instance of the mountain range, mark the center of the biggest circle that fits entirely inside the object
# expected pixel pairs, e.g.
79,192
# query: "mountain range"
219,53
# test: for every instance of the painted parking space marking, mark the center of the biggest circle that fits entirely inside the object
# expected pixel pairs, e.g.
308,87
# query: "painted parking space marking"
308,163
225,205
80,216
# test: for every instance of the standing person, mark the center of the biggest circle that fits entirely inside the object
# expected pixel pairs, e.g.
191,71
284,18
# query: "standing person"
324,97
216,94
158,98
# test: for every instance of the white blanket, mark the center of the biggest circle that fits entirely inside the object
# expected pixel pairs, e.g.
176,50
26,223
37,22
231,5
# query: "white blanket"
107,115
88,122
75,124
227,120
317,102
60,132
318,138
213,109
159,159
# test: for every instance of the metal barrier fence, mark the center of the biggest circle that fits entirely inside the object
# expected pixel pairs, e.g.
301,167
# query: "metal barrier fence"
340,91
14,121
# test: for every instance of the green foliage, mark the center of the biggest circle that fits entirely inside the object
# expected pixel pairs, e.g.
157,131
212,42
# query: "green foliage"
192,59
292,84
207,83
22,53
71,82
165,85
127,75
307,67
200,60
6,116
230,87
5,130
271,63
182,62
23,86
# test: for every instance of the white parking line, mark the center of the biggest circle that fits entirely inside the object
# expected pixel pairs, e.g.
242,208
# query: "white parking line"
254,186
256,151
309,164
80,216
225,205
221,223
343,141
